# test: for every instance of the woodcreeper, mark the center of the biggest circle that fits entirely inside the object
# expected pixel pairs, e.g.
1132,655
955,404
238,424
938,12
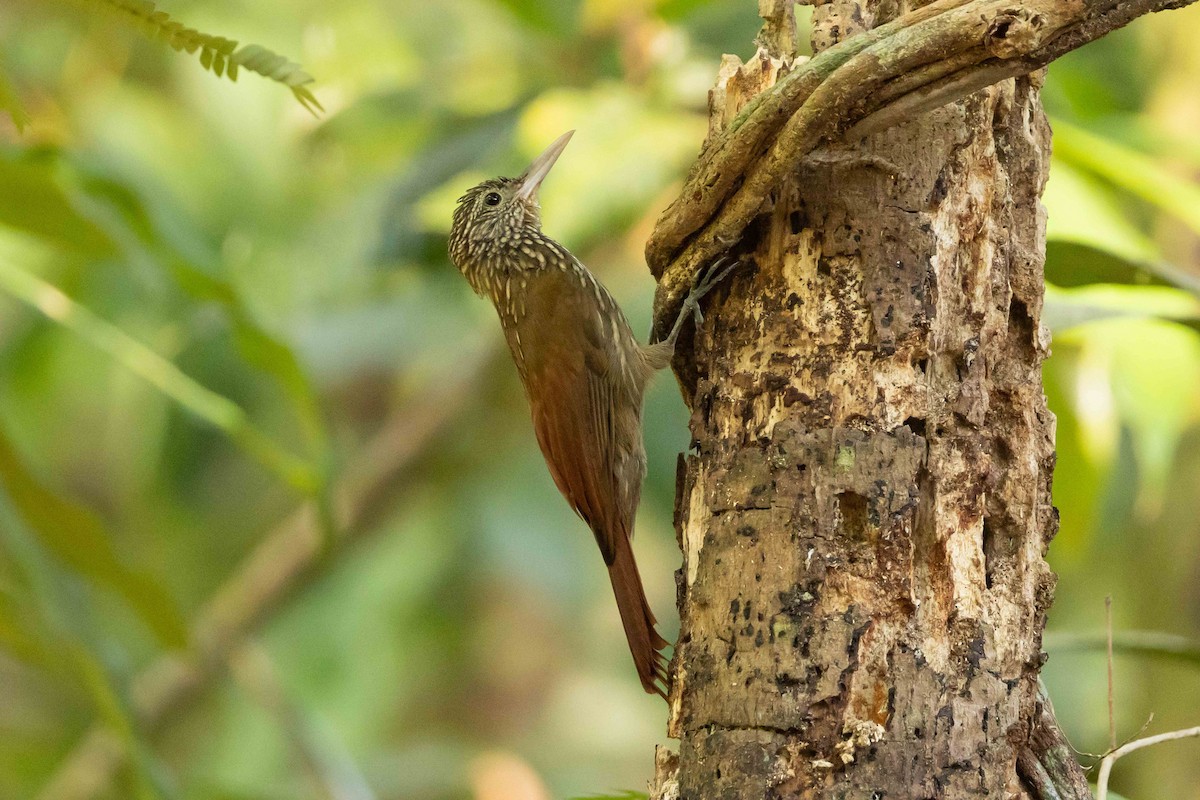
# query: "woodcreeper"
584,373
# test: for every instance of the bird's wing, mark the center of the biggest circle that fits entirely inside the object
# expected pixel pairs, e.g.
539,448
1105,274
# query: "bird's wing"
572,418
587,416
574,385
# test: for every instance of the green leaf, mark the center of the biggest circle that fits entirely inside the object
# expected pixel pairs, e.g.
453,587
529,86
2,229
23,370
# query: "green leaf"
1084,210
131,222
1142,133
59,625
219,411
1070,265
258,347
79,540
1129,169
1089,238
116,709
549,16
20,642
1147,346
1068,308
33,201
10,102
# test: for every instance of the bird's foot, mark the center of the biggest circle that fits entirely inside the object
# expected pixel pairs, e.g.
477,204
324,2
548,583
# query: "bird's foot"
705,280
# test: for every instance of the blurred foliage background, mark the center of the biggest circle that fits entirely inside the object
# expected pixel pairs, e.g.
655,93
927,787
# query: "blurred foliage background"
225,320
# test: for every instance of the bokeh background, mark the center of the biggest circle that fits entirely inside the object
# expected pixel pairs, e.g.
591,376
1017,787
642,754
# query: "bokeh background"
224,319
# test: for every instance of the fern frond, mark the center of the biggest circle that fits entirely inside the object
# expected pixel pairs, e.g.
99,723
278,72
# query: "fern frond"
218,55
274,66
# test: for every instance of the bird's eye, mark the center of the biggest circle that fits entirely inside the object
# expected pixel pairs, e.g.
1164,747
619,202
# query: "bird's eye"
492,199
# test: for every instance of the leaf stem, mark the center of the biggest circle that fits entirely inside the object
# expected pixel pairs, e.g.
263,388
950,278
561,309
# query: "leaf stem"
215,409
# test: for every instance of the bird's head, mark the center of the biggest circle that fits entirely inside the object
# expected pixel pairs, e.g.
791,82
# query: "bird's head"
498,211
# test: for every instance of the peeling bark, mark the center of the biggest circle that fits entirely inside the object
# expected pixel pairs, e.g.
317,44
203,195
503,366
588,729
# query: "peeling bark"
866,511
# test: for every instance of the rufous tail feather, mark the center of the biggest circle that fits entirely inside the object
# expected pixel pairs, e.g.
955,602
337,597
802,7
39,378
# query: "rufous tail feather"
644,642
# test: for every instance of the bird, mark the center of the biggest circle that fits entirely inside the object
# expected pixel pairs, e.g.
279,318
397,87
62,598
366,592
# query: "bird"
583,370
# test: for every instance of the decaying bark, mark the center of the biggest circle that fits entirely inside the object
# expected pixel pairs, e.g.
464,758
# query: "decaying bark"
865,515
905,58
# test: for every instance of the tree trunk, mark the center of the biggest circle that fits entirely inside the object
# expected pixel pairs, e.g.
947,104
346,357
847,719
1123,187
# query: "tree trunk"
865,515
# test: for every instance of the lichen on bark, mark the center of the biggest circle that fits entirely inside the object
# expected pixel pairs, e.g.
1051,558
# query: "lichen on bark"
866,511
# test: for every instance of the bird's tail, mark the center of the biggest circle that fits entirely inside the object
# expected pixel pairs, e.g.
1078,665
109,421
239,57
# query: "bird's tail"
644,642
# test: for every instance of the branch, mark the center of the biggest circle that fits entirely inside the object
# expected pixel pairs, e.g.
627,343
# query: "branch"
1136,744
1046,764
285,561
1149,643
931,56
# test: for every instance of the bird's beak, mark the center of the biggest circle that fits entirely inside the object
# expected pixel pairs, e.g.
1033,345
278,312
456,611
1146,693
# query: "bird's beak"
540,168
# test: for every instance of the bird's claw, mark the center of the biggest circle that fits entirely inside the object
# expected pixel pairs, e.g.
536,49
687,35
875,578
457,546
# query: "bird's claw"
703,282
709,277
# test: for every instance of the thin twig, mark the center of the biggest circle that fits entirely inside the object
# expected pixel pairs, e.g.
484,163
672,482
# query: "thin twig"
1128,739
1136,744
1108,627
